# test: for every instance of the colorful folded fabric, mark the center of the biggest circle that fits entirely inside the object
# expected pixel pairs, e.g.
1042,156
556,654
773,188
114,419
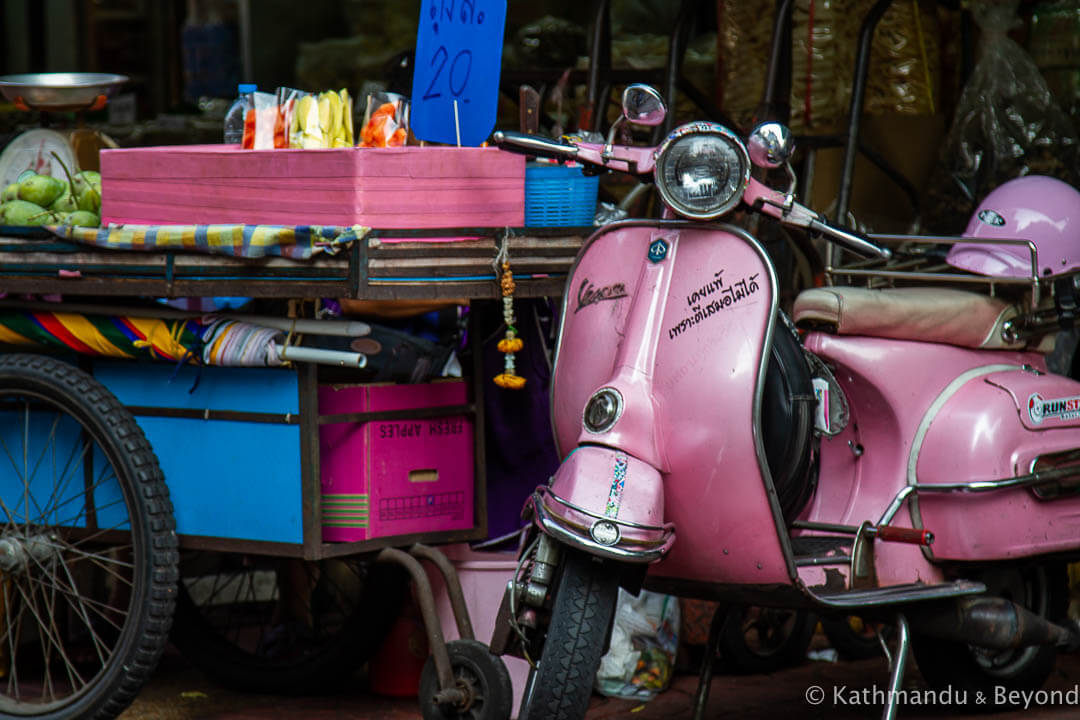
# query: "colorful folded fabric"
295,242
208,340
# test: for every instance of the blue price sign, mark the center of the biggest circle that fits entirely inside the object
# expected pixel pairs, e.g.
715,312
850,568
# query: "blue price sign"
456,74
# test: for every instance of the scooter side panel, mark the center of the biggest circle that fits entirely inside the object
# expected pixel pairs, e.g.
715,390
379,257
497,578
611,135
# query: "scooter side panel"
890,385
694,378
993,428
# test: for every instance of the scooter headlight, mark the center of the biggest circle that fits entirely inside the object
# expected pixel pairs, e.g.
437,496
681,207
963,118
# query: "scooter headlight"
702,170
602,410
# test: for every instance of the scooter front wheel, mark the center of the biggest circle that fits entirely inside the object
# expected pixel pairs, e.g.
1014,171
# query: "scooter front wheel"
560,686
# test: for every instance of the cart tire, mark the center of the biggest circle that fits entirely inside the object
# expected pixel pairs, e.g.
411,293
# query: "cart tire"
481,677
89,559
283,625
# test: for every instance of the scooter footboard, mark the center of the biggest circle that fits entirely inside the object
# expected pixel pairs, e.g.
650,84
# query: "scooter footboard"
607,503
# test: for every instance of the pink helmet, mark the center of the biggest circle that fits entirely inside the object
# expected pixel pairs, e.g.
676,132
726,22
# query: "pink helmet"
1041,209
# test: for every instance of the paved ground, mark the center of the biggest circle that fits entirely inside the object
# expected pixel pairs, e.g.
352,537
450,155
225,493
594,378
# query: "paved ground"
180,692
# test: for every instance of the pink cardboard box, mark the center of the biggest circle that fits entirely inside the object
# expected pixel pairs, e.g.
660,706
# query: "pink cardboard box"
405,187
394,477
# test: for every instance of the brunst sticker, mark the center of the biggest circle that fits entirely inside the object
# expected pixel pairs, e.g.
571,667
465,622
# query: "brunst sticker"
1061,408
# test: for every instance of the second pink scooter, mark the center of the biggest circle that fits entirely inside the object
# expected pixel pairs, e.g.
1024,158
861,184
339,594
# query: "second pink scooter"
909,458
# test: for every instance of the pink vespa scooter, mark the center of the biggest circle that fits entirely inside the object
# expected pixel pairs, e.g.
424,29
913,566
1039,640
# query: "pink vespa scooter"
910,459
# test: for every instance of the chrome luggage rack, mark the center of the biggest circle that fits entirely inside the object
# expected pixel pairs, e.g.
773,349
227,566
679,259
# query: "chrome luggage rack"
919,259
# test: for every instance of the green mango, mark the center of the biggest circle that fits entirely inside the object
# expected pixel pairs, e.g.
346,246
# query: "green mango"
89,199
66,203
41,189
82,218
21,212
84,179
11,192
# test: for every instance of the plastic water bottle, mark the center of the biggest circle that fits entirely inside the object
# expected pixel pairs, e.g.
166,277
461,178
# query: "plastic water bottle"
234,118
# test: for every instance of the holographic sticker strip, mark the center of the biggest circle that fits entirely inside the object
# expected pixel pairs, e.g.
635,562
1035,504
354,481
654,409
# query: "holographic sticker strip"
617,484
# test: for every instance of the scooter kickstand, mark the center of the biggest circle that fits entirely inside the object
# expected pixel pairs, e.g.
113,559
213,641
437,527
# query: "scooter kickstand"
701,697
896,667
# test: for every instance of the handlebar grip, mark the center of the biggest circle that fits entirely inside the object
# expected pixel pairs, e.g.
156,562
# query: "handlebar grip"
533,145
851,240
888,533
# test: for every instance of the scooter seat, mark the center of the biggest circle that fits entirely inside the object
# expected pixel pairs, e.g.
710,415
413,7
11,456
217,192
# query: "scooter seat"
940,315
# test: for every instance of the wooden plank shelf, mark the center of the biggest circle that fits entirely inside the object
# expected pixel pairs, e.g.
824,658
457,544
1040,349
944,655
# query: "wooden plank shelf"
386,265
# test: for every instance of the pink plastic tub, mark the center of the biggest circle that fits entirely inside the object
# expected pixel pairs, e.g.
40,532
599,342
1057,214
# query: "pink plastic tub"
483,578
394,477
406,187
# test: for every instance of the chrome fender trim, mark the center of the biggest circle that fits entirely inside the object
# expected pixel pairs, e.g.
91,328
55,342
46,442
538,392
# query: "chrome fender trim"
637,543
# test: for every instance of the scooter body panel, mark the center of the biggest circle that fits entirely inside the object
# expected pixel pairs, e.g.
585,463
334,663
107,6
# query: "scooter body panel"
932,413
995,427
678,331
889,386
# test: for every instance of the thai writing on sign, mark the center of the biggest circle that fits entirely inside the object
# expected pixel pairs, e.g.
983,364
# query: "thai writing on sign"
456,72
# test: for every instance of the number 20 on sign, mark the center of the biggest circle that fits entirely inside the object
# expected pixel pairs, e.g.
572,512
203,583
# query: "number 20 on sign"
456,74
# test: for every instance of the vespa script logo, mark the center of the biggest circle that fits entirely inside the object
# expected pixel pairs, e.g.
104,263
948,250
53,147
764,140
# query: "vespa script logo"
588,294
1060,408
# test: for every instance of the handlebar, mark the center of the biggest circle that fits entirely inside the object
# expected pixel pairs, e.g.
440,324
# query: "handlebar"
850,239
782,207
640,160
535,145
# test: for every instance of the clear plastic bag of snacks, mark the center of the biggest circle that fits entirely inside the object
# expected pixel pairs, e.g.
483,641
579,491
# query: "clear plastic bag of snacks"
386,121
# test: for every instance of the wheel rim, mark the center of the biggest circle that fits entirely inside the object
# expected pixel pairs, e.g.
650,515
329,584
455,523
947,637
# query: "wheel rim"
69,558
270,612
765,630
471,685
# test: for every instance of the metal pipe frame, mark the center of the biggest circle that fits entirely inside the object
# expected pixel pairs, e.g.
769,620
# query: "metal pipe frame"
453,587
858,95
1031,479
426,599
898,663
867,268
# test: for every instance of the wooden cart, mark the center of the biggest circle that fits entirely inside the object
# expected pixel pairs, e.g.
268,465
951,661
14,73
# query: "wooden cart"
94,543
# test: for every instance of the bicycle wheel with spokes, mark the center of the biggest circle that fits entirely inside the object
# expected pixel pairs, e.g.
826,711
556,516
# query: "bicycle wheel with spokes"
87,546
283,625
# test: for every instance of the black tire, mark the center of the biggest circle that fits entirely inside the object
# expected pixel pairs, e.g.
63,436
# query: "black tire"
854,638
283,625
560,686
963,667
757,639
87,606
482,677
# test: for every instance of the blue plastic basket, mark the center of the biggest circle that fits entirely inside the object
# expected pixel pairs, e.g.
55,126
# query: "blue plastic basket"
557,195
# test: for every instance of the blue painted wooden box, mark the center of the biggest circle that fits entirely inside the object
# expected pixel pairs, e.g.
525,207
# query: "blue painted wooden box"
228,478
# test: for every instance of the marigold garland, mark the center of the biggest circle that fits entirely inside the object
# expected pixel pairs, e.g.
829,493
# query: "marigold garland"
510,344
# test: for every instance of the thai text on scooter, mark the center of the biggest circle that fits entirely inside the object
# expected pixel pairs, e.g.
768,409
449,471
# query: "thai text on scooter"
728,296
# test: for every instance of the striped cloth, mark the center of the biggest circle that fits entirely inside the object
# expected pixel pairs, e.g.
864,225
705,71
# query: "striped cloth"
295,242
103,335
209,340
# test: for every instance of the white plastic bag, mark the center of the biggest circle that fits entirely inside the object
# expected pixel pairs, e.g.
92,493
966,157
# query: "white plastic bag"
641,654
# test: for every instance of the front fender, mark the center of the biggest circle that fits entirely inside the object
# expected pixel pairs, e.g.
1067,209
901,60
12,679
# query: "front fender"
607,503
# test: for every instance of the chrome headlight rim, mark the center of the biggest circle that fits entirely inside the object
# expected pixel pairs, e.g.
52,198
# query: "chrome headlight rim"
701,128
610,418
